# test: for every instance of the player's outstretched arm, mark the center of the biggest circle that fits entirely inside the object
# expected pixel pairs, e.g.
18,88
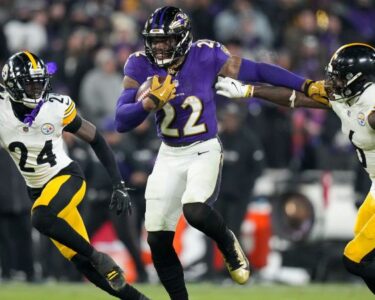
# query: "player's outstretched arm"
233,88
247,70
120,200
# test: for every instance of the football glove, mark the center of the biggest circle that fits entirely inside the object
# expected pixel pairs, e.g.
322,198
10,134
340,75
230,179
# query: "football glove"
233,88
120,199
161,93
316,91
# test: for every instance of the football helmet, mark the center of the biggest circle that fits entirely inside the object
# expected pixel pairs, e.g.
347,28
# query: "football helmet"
172,27
350,71
26,78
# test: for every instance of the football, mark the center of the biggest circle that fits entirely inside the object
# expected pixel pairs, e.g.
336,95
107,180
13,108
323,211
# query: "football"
145,88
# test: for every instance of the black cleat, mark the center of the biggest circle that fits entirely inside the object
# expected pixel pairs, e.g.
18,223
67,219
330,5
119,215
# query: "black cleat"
237,262
108,268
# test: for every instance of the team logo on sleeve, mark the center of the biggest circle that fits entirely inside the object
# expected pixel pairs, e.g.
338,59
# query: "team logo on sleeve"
47,128
361,119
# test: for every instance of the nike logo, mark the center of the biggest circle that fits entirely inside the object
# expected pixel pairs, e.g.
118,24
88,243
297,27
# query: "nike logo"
235,86
162,94
200,153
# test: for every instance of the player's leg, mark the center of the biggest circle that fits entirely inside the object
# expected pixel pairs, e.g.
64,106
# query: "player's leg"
49,213
163,207
359,253
85,266
56,195
202,188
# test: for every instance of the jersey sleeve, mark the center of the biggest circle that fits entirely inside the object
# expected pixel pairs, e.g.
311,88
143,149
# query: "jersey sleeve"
70,112
136,66
222,54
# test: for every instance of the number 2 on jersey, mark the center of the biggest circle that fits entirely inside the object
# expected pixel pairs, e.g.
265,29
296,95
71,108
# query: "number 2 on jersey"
360,153
191,127
45,156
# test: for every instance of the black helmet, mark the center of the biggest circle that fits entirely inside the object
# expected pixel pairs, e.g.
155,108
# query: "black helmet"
350,71
26,78
170,23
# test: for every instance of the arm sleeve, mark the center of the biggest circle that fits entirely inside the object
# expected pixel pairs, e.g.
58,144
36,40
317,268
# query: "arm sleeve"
129,114
74,126
106,157
251,71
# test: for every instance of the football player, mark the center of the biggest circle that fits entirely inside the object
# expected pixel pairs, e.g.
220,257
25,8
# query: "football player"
351,93
32,121
186,175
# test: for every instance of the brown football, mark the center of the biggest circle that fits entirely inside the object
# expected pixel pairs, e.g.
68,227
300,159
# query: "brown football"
145,88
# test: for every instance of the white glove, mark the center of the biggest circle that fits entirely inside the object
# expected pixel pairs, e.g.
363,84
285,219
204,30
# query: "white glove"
233,88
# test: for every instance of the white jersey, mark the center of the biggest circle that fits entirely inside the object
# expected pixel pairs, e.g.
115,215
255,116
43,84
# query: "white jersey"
38,150
354,124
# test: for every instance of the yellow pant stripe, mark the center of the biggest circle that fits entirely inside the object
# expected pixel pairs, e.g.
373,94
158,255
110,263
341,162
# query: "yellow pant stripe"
69,213
364,232
50,191
74,219
74,202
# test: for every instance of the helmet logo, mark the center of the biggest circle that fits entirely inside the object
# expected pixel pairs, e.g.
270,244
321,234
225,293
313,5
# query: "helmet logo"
179,21
5,72
47,128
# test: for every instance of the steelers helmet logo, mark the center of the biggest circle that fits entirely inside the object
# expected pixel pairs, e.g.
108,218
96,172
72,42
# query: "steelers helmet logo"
5,72
47,128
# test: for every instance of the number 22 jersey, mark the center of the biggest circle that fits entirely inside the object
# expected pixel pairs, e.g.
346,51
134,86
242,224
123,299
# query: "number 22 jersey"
38,151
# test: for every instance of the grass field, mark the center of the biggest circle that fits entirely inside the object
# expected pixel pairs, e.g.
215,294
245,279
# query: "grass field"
18,291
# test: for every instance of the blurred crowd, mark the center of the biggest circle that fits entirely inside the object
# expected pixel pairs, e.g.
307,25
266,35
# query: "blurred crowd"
86,43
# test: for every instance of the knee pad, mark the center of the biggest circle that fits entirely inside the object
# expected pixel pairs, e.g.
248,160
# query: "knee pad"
196,213
42,218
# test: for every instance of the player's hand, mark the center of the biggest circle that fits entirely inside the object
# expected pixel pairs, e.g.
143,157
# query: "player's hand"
120,199
316,91
161,93
233,88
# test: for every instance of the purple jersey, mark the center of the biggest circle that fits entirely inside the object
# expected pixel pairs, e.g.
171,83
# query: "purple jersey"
191,116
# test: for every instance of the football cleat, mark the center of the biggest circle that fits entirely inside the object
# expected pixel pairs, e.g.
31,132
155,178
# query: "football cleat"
237,262
108,268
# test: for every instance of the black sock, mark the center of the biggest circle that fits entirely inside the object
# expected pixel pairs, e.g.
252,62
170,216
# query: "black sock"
365,269
167,264
57,228
84,265
210,222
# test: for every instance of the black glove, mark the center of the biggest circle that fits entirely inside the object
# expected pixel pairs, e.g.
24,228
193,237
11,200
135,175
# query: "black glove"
120,199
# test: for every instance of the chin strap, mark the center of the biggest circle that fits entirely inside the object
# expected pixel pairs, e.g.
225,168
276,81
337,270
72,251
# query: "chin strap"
30,118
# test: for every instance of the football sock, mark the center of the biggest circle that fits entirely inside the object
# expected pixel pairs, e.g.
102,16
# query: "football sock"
84,265
45,221
210,222
364,269
167,264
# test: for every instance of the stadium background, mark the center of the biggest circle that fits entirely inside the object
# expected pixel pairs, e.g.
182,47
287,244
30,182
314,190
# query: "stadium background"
302,207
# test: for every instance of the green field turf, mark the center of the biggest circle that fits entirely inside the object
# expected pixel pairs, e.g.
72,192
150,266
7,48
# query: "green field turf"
63,291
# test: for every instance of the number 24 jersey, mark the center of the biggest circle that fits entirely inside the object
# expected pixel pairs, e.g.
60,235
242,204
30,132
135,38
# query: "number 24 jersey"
38,151
354,124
